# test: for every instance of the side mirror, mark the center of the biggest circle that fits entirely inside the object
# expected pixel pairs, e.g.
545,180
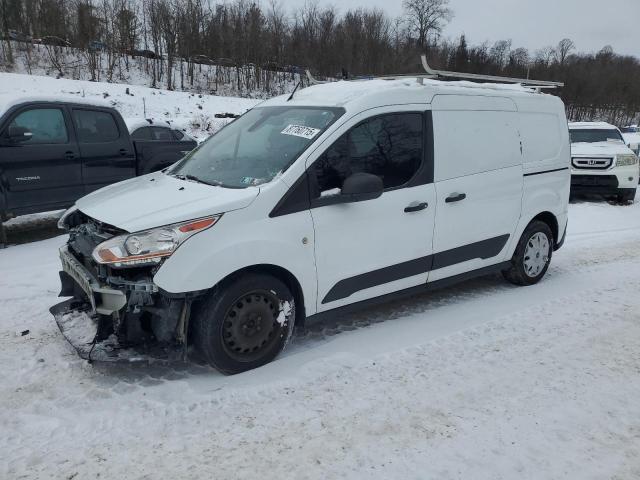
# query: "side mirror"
17,134
361,186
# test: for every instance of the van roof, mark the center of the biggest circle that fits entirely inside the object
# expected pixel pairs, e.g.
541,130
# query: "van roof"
592,125
370,93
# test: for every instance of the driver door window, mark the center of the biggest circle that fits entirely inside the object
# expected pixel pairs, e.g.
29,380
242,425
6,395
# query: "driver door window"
389,146
352,240
46,125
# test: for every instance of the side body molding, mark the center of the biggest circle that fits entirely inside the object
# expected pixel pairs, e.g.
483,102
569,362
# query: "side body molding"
484,249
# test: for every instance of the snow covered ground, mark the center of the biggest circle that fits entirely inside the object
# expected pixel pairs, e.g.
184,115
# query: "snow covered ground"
483,380
194,113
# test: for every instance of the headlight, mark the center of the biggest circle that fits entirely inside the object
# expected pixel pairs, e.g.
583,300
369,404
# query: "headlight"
624,160
150,246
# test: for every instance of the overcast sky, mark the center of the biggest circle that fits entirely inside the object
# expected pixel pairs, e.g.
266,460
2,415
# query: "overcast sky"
533,24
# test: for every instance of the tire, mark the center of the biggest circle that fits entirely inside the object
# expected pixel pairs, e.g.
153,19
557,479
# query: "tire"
627,196
244,323
525,270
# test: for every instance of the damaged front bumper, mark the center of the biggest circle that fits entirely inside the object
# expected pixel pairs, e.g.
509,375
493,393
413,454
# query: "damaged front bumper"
80,329
118,319
104,301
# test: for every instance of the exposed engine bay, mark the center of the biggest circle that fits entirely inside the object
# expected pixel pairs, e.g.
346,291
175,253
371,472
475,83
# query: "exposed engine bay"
125,313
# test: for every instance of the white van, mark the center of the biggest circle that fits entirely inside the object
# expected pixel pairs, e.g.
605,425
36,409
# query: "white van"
341,195
601,161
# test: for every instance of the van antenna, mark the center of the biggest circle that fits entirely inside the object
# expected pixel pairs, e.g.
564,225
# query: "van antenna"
294,90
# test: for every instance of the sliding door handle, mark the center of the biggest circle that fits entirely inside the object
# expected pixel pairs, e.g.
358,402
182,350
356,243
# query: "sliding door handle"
455,197
416,207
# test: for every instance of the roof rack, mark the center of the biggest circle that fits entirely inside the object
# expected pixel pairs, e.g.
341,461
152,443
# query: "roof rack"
489,78
315,81
435,74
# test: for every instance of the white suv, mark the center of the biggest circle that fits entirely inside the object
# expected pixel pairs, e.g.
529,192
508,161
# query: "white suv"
601,162
310,205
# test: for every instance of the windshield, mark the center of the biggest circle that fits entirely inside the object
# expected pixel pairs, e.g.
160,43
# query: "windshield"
256,147
594,135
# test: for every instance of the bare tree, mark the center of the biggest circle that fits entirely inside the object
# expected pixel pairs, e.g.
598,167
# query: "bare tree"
545,56
427,18
499,53
247,48
565,46
4,10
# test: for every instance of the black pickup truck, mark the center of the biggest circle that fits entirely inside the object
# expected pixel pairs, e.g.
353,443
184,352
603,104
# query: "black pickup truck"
54,152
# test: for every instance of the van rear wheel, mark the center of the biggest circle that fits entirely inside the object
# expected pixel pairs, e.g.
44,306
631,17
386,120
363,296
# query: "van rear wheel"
532,256
244,324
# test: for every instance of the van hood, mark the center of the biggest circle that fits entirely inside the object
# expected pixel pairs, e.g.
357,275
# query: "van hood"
599,149
157,199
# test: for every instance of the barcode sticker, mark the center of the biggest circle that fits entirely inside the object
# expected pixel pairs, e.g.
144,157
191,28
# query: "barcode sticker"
300,131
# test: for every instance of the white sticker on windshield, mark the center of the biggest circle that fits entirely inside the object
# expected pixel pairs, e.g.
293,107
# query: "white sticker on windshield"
300,131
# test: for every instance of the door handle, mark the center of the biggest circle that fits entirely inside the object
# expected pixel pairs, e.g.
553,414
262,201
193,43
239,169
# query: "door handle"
123,152
455,197
416,207
69,155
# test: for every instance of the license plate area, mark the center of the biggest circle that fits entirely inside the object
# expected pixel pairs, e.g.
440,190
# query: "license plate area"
76,271
104,301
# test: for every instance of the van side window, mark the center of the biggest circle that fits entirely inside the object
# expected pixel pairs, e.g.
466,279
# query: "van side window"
95,126
46,125
389,146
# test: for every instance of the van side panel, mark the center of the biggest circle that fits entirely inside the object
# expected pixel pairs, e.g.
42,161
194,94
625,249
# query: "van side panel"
477,153
544,132
547,158
244,238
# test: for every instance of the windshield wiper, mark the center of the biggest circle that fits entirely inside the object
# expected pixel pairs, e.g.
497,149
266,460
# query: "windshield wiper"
193,178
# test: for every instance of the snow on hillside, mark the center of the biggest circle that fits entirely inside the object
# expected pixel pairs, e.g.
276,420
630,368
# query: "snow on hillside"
191,112
77,64
483,380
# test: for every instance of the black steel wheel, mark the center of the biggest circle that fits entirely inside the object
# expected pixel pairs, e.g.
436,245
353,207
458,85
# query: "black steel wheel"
251,325
244,324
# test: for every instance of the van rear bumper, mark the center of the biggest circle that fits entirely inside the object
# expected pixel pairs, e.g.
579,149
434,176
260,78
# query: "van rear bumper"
558,245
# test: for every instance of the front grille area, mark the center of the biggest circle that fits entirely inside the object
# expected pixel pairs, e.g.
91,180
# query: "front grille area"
609,181
104,229
85,236
588,163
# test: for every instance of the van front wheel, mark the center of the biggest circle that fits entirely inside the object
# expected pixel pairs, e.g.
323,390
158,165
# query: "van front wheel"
531,259
244,324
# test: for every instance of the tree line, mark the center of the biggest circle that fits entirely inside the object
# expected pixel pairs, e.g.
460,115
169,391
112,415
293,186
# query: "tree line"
264,40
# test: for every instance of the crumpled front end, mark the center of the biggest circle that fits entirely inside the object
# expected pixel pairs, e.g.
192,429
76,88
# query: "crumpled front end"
116,314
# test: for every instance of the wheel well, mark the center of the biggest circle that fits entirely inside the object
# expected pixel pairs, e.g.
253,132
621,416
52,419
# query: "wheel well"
551,220
281,274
